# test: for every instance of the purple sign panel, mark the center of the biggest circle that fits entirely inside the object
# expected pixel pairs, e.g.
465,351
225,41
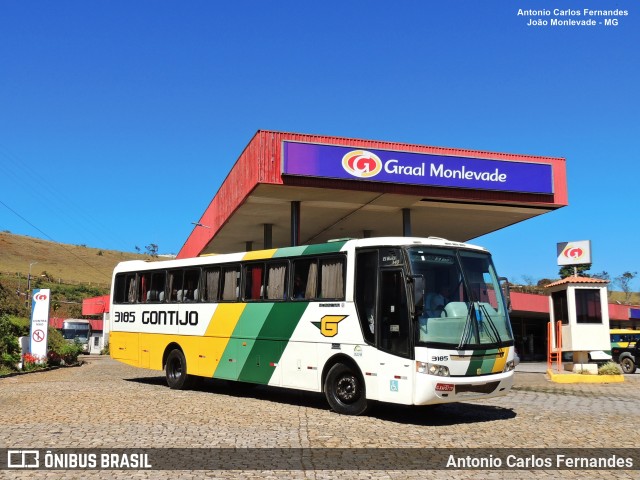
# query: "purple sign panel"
330,161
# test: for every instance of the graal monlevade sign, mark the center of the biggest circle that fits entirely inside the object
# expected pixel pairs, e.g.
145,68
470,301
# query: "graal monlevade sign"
349,163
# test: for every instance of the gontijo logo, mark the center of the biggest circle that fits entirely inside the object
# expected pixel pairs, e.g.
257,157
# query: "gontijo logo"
40,297
362,164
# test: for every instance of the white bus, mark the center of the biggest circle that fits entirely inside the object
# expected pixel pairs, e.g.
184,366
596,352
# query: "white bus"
76,330
403,320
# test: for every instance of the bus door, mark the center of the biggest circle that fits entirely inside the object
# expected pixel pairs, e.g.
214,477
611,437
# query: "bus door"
395,372
381,301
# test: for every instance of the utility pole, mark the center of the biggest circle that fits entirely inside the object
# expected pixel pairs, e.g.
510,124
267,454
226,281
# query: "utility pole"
29,284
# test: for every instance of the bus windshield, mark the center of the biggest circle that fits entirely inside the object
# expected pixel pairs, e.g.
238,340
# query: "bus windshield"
463,304
80,331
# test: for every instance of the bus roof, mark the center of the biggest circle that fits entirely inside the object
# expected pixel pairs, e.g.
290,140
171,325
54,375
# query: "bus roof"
332,246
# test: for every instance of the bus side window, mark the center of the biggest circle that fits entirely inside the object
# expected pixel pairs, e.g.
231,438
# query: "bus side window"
305,279
144,280
131,288
332,278
175,285
211,284
156,291
253,281
230,283
120,288
276,280
191,292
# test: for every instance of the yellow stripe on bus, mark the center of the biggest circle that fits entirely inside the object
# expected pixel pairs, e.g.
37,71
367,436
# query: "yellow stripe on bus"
260,254
498,366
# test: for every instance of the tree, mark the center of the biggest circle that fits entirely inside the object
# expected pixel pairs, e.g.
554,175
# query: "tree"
602,275
152,249
567,270
624,282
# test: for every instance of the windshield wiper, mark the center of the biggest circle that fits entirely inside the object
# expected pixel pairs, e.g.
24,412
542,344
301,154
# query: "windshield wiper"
492,326
466,331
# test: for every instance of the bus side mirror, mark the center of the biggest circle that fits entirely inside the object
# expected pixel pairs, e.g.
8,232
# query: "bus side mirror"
506,293
418,295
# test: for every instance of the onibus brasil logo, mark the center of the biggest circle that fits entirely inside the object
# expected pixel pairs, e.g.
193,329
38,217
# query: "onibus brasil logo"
362,164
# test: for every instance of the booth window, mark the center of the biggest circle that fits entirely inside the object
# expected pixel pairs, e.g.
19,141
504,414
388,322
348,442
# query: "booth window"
588,308
560,308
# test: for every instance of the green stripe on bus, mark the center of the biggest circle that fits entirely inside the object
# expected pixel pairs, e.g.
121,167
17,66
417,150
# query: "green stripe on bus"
289,252
479,365
241,341
282,320
330,247
272,340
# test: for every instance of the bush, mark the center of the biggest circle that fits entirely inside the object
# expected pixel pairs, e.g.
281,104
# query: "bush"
56,341
61,351
70,353
609,368
11,328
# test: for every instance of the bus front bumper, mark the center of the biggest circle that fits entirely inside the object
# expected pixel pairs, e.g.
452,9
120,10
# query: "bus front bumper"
431,389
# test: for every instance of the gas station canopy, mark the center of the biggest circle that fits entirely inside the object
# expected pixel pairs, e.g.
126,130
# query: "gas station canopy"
294,189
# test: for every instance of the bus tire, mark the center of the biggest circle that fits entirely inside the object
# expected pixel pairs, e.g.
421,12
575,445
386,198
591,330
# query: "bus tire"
628,365
176,370
345,390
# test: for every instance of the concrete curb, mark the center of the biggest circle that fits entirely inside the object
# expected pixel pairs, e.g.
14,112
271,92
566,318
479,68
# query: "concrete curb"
580,378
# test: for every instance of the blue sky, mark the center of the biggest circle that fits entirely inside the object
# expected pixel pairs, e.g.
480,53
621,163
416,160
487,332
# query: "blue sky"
119,120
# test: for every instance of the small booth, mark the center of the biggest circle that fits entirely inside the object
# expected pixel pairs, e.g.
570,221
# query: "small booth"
580,305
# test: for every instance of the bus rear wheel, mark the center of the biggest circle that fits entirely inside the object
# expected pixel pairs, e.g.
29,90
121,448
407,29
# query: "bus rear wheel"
345,390
628,365
176,370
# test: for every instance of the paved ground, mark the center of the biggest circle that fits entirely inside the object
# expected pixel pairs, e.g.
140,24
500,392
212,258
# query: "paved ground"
106,404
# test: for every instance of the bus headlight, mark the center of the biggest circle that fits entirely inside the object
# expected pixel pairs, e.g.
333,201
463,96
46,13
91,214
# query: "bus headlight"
510,365
432,369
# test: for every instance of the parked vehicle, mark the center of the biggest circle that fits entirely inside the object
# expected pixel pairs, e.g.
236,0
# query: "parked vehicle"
628,357
74,330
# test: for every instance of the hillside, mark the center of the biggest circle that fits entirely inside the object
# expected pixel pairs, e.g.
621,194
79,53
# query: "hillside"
61,263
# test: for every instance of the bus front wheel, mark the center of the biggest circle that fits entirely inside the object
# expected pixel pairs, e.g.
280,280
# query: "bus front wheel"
628,365
176,370
345,390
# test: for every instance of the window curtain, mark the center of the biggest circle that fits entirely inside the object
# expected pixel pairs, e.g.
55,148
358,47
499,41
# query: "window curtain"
256,282
332,279
172,297
312,281
212,278
275,285
143,288
229,291
131,296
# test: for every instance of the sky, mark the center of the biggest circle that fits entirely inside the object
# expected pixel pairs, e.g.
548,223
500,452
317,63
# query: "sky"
119,120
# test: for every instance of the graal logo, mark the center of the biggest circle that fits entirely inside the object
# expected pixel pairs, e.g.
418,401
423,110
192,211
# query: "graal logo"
23,459
362,164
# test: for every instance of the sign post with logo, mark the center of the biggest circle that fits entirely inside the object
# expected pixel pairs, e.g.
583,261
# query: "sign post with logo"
574,253
39,323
